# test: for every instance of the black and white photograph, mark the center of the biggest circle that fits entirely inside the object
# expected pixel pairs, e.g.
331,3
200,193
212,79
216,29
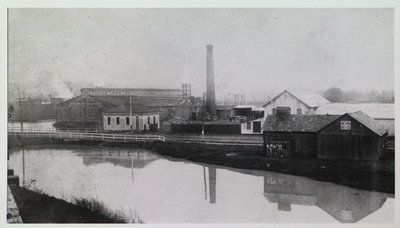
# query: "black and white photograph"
199,115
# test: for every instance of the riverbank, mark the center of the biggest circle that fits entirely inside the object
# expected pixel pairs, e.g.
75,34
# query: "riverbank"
373,176
36,207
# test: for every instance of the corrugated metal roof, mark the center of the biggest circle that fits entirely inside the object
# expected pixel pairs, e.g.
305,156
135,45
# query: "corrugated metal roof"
367,121
374,110
297,123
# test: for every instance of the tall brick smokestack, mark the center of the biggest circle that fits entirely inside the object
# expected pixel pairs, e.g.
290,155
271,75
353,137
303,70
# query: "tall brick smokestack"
210,97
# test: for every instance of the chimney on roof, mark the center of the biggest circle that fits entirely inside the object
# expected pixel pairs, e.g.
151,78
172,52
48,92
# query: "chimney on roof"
210,93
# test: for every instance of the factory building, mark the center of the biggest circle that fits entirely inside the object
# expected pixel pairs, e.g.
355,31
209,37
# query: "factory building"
159,93
87,110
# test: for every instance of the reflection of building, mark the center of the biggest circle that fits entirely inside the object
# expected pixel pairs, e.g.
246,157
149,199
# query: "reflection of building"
343,203
286,191
348,205
124,158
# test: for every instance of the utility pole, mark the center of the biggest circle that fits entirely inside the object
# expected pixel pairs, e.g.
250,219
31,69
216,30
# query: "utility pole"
202,117
130,116
85,113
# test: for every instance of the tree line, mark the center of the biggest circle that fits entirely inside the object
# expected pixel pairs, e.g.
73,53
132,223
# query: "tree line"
338,95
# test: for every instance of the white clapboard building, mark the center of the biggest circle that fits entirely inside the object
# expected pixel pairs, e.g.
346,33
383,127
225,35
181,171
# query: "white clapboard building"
131,122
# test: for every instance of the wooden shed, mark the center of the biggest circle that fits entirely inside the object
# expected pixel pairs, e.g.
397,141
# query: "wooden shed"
289,135
353,136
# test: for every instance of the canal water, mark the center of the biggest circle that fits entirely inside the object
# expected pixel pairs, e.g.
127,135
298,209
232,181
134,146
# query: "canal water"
166,190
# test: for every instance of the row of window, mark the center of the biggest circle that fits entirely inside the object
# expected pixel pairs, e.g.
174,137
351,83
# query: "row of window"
285,110
127,120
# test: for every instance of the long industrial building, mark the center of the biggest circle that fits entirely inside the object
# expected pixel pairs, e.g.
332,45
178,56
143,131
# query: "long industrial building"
93,103
159,93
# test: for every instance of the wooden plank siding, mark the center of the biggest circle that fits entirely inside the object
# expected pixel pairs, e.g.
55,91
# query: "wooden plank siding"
358,143
299,143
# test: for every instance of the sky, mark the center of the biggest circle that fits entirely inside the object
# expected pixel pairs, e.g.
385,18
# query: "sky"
257,52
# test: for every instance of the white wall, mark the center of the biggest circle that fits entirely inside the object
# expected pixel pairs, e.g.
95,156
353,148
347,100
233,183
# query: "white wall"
123,126
286,100
244,130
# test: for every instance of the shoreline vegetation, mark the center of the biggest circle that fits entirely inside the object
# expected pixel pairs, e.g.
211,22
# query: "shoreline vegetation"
35,206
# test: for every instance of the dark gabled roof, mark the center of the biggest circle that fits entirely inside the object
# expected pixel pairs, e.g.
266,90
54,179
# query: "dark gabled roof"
367,121
297,123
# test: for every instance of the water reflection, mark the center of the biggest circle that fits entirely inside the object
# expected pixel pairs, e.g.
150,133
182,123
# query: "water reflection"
163,190
119,157
345,204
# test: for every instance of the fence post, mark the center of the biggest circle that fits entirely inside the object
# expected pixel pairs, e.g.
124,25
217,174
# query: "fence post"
91,136
136,138
102,137
113,138
125,138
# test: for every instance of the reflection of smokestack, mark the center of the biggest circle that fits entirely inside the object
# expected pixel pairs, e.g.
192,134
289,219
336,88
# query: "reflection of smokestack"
210,105
212,180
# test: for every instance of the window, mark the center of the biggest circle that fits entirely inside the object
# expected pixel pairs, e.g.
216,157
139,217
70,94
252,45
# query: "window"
346,214
148,119
274,111
248,125
299,111
154,119
109,120
127,120
345,125
117,120
282,111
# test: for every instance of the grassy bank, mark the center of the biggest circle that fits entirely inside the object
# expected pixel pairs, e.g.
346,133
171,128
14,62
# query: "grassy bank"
37,207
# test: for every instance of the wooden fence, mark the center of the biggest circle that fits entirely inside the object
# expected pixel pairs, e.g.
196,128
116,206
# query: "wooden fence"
83,136
44,129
